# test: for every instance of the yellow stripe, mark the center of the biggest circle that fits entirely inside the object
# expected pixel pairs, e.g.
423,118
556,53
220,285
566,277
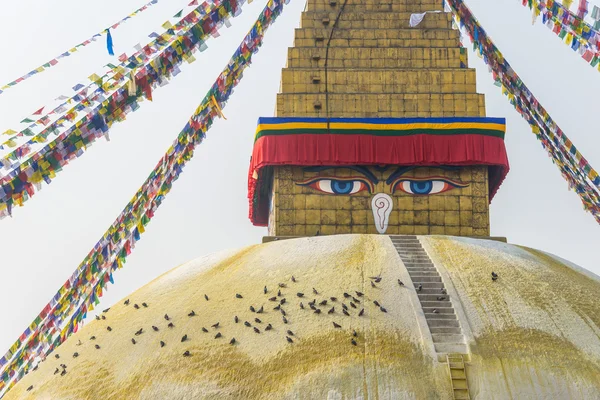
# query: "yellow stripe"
397,127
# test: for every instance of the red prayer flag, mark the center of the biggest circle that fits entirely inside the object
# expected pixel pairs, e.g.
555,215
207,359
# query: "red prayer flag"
587,56
123,57
39,112
193,3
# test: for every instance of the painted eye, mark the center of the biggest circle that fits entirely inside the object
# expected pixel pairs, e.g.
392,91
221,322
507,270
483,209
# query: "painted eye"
337,186
424,187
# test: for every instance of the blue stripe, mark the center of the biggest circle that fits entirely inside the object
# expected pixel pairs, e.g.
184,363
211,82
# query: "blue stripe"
275,120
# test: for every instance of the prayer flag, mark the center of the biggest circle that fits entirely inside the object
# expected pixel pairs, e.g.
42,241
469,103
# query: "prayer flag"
109,43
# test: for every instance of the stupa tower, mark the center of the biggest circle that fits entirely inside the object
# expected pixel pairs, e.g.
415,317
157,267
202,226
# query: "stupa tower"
381,155
403,88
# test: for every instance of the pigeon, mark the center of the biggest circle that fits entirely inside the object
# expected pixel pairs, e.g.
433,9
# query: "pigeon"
187,353
206,297
285,321
236,319
56,371
184,338
238,296
346,295
318,232
108,328
215,325
301,305
333,298
63,373
145,305
352,305
346,313
265,290
444,291
494,276
331,311
126,302
315,291
289,339
373,285
92,337
232,341
441,298
336,325
353,342
377,279
269,327
260,310
293,279
171,325
154,328
435,311
97,346
138,333
279,293
29,388
204,330
383,309
97,318
324,302
218,335
136,306
344,306
282,285
290,333
75,355
277,308
133,341
256,330
360,314
354,334
419,288
79,343
300,294
162,344
400,282
359,294
252,309
317,311
192,314
167,317
282,301
273,298
258,321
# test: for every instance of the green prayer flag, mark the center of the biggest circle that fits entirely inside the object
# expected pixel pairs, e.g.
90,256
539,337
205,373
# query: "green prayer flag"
178,15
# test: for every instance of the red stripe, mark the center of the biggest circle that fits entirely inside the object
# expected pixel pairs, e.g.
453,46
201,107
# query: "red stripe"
422,150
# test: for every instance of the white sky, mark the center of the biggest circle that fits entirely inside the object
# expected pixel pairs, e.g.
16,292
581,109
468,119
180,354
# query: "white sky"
206,210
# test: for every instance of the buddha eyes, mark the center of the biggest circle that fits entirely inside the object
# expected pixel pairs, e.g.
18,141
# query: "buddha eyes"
338,185
425,186
352,185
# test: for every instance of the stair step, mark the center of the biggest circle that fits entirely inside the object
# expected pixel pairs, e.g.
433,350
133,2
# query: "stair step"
461,394
436,304
430,285
436,291
433,297
440,310
457,365
458,373
436,316
421,278
445,329
442,323
447,338
450,347
460,384
423,273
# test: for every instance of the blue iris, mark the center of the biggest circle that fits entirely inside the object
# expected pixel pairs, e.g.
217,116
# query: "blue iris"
342,187
421,187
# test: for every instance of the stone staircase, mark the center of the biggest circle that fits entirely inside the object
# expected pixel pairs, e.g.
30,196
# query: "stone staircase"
439,313
458,376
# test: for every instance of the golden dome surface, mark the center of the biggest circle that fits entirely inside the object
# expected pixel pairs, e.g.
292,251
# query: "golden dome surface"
532,334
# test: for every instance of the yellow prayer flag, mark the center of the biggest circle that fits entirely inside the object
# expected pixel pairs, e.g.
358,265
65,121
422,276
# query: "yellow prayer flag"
9,132
218,107
167,25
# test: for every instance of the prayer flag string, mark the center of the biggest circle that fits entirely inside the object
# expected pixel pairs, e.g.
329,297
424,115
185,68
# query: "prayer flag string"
81,292
147,73
574,168
571,28
74,49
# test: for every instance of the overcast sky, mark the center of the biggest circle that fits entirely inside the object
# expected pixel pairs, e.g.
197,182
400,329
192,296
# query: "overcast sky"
207,209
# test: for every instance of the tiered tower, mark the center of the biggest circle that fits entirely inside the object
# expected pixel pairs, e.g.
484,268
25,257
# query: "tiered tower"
361,59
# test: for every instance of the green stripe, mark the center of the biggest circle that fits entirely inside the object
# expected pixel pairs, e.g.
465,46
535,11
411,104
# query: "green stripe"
391,132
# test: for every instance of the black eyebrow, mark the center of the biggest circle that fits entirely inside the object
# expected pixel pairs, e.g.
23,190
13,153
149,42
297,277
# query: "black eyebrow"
402,170
358,168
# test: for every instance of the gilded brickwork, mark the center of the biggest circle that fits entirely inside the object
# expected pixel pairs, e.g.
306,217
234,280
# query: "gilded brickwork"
304,210
377,66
